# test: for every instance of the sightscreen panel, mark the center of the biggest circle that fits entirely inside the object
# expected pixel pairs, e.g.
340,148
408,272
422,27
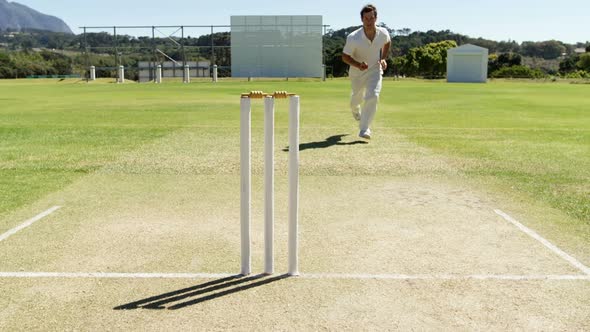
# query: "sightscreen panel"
276,46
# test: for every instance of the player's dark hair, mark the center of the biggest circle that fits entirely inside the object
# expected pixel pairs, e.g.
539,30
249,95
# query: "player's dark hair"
367,9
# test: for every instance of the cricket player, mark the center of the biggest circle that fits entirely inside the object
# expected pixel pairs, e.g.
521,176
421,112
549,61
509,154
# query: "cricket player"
365,52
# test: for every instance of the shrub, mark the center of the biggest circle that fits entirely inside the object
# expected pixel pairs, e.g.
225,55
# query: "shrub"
517,72
578,74
6,72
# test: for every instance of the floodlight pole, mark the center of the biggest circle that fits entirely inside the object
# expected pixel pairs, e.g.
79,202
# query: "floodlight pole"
212,49
117,59
324,66
185,79
86,55
155,55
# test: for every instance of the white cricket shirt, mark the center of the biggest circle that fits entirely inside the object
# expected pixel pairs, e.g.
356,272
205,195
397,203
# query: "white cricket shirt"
360,48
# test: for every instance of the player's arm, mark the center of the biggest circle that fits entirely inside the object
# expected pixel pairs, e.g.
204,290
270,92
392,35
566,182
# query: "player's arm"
353,63
384,54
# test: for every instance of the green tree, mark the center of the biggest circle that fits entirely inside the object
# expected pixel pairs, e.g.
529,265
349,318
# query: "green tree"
403,41
493,63
398,66
333,44
333,57
6,66
508,47
497,61
29,63
551,49
569,64
430,60
584,62
59,63
509,59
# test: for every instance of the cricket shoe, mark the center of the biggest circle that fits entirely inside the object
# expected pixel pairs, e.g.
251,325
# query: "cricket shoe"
366,134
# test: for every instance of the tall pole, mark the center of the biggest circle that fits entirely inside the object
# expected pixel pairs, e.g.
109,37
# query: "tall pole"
86,55
118,61
187,75
324,74
212,49
154,57
182,45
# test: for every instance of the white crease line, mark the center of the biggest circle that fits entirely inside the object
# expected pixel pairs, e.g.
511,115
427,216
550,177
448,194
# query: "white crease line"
327,276
28,223
441,277
114,275
546,243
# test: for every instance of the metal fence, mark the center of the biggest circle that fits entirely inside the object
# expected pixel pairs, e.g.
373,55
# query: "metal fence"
156,45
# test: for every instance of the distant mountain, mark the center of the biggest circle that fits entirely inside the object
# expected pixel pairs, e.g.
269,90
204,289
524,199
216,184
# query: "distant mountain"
15,16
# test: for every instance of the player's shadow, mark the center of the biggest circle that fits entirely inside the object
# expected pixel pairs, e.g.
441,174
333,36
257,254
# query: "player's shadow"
185,297
328,142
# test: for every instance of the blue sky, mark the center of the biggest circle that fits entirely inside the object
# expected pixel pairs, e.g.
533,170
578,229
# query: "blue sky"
524,20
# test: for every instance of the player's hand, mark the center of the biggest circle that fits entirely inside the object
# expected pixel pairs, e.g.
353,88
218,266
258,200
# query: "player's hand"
383,64
363,66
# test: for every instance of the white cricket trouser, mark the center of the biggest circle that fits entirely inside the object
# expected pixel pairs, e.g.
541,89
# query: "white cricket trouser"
366,86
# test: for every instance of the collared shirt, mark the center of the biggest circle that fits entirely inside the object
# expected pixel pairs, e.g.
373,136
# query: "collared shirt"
360,48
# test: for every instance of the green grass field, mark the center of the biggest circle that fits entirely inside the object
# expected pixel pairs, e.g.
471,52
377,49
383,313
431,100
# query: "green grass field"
533,138
406,232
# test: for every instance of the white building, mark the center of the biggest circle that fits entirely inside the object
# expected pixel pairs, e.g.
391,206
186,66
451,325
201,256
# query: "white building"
467,63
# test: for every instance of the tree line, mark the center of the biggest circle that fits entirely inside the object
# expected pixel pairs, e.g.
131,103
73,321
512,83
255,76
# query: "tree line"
413,54
423,54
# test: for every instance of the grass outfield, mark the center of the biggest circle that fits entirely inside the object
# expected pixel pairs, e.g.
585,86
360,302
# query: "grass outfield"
417,229
533,138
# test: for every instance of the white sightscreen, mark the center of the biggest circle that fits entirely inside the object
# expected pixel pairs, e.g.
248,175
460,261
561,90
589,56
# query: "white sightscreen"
276,46
467,68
